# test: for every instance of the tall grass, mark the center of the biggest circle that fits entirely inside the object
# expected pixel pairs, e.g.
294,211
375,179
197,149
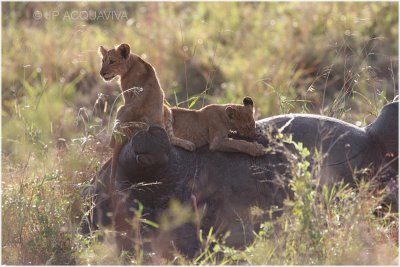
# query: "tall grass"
319,225
338,59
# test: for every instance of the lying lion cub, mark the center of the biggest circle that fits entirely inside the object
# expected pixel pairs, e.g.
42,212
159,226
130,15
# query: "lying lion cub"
211,125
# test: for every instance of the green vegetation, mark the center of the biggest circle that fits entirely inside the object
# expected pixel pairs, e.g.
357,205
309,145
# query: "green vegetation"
337,59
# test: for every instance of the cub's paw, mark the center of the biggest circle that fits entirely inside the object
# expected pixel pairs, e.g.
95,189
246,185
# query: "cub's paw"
259,150
187,145
190,146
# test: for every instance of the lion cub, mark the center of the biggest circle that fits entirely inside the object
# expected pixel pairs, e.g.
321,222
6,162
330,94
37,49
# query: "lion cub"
142,93
211,125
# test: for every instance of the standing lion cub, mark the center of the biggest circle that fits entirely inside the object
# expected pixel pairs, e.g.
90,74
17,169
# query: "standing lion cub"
142,93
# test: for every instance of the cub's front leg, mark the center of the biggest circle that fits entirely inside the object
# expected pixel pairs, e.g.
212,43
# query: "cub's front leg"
122,116
126,125
176,141
225,144
168,121
185,144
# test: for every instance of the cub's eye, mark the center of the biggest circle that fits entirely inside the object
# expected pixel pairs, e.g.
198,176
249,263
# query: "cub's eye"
112,62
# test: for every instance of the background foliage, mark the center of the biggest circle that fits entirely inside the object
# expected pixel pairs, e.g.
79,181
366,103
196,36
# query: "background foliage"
336,59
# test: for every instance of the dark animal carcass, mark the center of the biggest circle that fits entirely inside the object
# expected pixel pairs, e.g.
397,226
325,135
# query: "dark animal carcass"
225,185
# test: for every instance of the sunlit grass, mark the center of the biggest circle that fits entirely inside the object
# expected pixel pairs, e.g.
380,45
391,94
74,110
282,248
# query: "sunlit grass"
339,59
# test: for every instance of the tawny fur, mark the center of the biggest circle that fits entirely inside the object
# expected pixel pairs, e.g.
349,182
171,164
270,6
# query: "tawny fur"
142,93
211,125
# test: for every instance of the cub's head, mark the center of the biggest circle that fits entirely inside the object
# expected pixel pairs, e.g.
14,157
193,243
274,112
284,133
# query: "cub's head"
241,118
114,61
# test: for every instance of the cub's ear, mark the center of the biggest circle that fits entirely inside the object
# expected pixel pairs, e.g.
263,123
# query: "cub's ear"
230,112
124,50
247,101
102,51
